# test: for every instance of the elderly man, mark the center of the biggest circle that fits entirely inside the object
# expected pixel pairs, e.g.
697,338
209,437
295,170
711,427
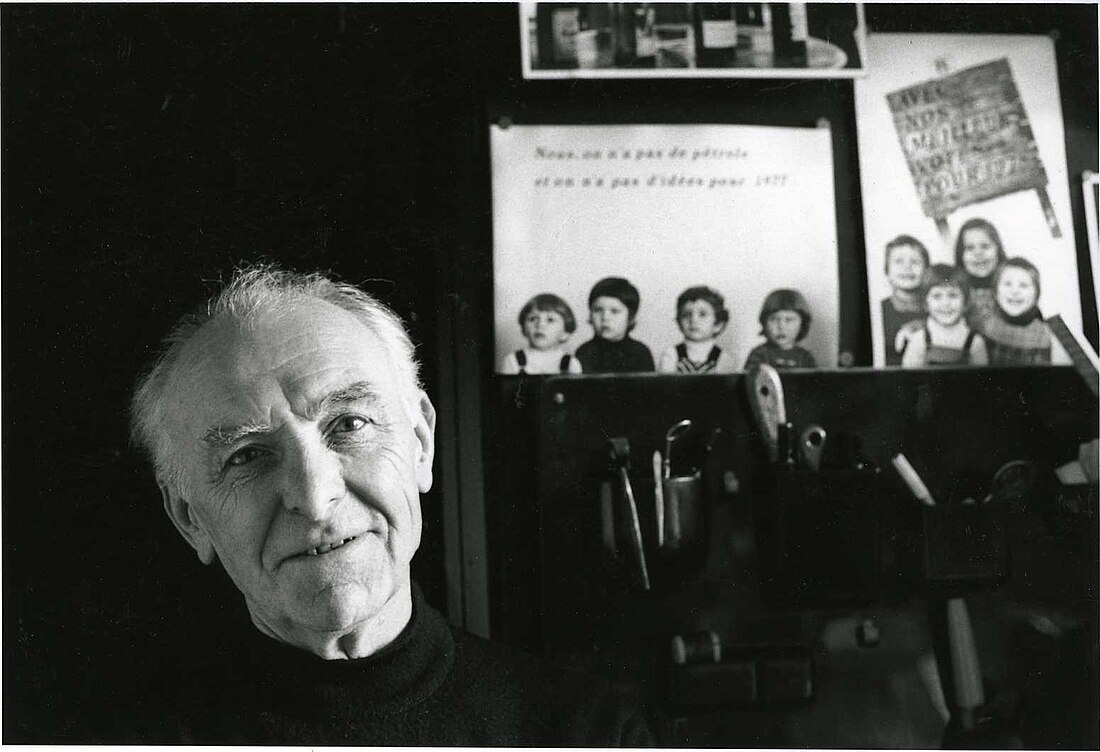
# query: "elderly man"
291,441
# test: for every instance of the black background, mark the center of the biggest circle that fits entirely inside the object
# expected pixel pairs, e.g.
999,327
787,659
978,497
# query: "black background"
148,148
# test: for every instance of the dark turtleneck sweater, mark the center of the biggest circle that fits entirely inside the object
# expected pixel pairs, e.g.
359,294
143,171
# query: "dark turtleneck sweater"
624,356
435,685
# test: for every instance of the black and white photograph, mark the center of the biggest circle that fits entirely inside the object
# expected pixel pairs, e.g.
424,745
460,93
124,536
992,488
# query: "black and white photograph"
692,40
962,145
696,224
550,375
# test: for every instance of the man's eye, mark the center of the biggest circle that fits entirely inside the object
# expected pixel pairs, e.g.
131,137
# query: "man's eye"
348,424
242,456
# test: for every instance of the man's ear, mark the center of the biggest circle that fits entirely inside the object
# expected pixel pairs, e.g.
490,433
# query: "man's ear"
180,512
424,427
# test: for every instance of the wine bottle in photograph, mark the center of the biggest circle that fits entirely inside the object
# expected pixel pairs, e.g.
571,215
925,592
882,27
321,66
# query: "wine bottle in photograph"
790,31
675,35
645,36
715,35
588,34
558,24
623,38
754,27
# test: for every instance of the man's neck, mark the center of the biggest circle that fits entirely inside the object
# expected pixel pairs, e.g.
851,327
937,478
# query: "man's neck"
358,641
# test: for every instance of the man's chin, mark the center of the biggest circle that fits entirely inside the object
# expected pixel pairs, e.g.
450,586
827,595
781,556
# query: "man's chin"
343,607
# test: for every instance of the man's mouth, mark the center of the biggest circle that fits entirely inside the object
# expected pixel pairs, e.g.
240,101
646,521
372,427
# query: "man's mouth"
326,547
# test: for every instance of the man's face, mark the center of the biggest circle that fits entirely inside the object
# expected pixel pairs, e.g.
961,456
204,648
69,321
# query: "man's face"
610,318
302,458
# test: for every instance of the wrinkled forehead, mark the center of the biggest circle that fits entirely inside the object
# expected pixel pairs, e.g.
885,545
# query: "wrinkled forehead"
234,370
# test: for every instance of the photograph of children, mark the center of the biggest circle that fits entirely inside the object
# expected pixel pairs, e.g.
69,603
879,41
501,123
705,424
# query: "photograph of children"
784,322
664,240
968,178
547,323
701,315
692,40
612,310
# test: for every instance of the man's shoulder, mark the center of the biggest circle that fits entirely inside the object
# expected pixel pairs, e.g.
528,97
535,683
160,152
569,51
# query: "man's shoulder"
546,703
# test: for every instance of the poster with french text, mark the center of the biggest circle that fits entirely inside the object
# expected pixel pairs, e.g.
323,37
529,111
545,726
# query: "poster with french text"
969,237
670,248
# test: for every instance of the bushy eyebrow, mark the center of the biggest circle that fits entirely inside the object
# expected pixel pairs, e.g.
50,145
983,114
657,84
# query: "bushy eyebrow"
217,437
355,392
222,436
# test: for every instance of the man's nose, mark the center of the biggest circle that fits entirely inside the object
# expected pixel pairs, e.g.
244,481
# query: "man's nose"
314,480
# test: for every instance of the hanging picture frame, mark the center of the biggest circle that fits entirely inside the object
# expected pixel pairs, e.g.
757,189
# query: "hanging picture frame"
692,40
665,209
965,192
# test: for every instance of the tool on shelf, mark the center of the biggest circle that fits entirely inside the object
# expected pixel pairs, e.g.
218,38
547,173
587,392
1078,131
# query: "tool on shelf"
811,445
674,433
912,480
659,498
620,460
766,400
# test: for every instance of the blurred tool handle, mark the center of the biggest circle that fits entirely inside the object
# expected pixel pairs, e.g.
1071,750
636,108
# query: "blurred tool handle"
620,459
766,399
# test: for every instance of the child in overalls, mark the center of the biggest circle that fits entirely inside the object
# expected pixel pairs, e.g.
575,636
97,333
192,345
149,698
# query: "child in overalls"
547,322
945,339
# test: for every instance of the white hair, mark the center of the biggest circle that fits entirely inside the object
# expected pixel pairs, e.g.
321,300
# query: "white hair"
253,290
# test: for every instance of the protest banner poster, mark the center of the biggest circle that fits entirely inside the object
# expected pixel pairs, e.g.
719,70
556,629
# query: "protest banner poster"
741,209
961,142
